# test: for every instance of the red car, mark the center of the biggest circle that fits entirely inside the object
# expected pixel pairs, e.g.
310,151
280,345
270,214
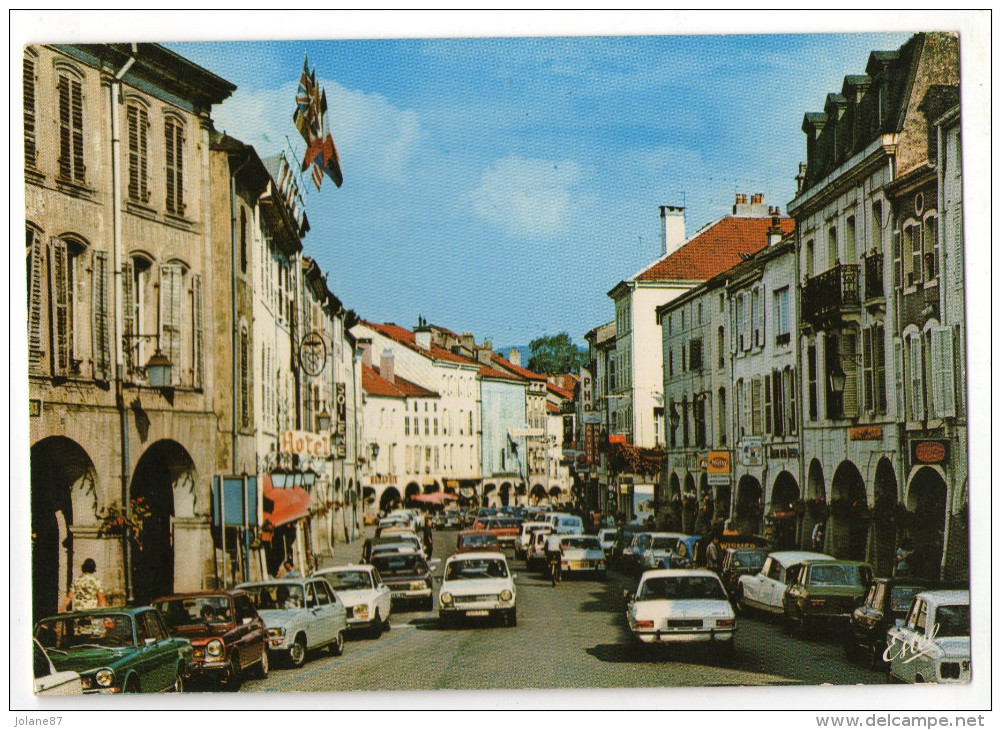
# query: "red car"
476,541
226,633
506,529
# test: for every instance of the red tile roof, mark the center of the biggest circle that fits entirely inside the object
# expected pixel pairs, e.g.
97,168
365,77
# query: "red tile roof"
373,383
516,369
715,249
552,408
488,372
561,392
407,338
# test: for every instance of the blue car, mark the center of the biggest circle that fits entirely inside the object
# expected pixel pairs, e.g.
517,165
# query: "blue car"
684,553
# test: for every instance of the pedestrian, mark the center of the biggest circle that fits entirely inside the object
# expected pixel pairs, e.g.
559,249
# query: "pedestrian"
87,591
287,570
713,554
428,538
903,558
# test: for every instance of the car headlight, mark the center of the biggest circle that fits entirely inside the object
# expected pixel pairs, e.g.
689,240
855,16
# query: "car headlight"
506,595
360,611
104,677
214,648
276,633
445,598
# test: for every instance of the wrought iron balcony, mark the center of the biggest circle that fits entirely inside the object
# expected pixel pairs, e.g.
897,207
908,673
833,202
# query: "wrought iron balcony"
874,276
831,294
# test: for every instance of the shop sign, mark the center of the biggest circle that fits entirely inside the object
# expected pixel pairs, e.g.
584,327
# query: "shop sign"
382,479
590,444
930,451
750,451
592,418
703,458
718,462
617,438
340,422
783,452
526,432
677,462
304,443
865,433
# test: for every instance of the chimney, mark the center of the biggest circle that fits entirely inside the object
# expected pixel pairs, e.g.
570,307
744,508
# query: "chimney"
800,177
514,357
365,345
672,233
485,352
756,208
775,230
387,366
422,335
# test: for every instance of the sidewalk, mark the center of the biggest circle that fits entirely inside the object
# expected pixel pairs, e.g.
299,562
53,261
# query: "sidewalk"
346,552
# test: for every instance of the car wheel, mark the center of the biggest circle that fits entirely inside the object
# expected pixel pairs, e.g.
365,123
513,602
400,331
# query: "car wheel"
337,648
297,652
727,650
512,617
738,603
178,684
876,660
376,631
850,649
263,666
232,677
805,627
387,624
132,685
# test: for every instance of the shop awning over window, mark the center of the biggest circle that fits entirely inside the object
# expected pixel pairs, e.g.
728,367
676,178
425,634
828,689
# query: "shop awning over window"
282,506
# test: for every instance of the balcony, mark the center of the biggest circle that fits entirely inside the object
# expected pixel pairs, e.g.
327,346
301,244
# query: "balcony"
830,295
873,276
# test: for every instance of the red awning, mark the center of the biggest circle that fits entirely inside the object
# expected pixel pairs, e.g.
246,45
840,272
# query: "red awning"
282,506
434,497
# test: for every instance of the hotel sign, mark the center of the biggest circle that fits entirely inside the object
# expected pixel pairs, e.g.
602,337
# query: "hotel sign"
304,443
929,451
340,422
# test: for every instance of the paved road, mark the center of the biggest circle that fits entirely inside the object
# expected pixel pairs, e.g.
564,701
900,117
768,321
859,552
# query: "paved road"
570,636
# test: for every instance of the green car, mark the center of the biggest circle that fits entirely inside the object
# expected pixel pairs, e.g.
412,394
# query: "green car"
824,591
120,649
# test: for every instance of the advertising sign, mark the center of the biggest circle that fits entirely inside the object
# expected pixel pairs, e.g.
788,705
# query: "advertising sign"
232,496
591,444
865,433
304,443
718,467
750,451
592,418
340,423
929,451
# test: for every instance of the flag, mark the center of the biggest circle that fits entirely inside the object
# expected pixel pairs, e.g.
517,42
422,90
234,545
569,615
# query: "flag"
331,162
317,176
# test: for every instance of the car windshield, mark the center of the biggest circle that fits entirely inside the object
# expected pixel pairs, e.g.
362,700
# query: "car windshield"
681,588
85,632
267,596
838,575
664,543
748,560
953,620
900,598
348,580
195,611
478,540
582,543
399,564
473,569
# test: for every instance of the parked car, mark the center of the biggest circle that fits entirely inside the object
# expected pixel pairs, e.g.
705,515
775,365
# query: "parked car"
476,541
737,562
447,520
565,524
765,590
507,530
623,539
606,536
521,544
228,638
933,644
824,591
660,550
634,557
681,606
408,543
684,554
884,607
581,554
121,649
408,578
481,516
535,556
477,585
367,599
49,680
397,539
301,614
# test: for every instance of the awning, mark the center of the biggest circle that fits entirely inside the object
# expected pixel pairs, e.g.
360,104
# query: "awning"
282,506
434,498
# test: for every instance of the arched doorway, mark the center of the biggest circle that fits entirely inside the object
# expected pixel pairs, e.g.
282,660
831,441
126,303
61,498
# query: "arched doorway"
431,488
848,525
926,500
505,494
165,469
554,494
412,489
748,509
489,494
816,512
722,503
389,499
883,528
539,495
783,522
956,565
704,516
674,513
521,494
689,505
63,493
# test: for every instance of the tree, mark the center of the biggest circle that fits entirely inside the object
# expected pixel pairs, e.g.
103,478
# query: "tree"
556,354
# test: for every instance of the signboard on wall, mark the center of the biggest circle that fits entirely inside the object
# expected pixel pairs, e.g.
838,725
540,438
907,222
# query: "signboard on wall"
930,451
718,467
750,451
304,443
592,418
865,433
235,500
340,450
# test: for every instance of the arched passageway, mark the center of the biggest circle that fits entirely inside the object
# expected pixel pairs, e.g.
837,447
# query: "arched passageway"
389,499
783,519
748,508
883,532
848,524
926,501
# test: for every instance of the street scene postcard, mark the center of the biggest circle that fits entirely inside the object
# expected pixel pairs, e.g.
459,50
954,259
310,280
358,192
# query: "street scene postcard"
540,364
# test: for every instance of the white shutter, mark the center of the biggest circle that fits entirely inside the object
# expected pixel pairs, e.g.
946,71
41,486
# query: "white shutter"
849,363
170,318
35,351
746,325
898,379
130,343
943,372
100,334
917,406
59,306
198,341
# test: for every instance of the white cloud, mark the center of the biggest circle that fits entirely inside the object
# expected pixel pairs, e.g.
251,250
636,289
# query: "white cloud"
372,136
527,197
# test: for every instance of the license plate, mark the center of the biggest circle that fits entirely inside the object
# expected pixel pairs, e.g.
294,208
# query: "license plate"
580,564
477,613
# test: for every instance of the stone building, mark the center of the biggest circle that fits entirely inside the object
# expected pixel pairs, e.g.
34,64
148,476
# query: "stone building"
119,238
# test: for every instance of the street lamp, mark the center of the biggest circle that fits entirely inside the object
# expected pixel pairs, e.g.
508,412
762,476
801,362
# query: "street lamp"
837,378
308,479
323,419
674,417
158,370
279,478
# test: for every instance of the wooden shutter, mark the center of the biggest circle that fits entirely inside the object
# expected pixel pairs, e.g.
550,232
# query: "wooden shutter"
898,379
848,350
170,317
756,406
130,343
943,373
76,97
59,307
917,404
35,351
28,76
198,341
100,329
867,371
768,404
746,326
65,134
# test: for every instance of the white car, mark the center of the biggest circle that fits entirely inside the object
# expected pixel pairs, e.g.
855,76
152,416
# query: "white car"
536,553
657,551
681,606
606,536
477,585
765,590
367,600
581,554
933,644
521,544
50,682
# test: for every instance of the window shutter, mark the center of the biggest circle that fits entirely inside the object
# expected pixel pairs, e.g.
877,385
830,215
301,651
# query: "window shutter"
28,75
849,347
944,372
879,367
867,379
65,153
130,343
768,404
199,335
790,374
917,406
170,317
747,323
35,352
898,379
77,111
756,406
100,334
59,306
